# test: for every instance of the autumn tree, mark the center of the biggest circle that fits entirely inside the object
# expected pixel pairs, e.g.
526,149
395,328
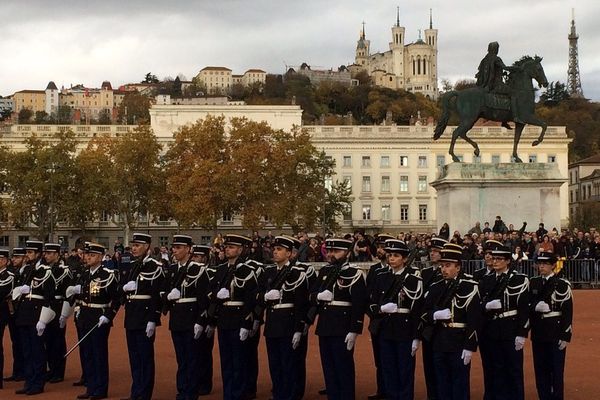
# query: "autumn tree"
135,108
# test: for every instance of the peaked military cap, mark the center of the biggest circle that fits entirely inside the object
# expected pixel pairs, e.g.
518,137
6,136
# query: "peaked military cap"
34,245
200,250
183,240
546,256
452,253
94,248
437,243
287,242
396,246
338,244
383,237
501,251
18,252
237,240
491,244
142,238
4,253
55,247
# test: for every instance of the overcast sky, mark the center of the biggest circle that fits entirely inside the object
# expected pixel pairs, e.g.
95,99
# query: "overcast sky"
86,42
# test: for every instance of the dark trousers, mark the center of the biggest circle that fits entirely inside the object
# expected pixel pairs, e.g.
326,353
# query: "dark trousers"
94,354
299,383
204,373
338,367
452,376
80,334
56,347
186,353
398,369
141,362
18,366
429,370
252,360
234,365
283,366
549,365
485,350
3,324
34,354
377,358
507,368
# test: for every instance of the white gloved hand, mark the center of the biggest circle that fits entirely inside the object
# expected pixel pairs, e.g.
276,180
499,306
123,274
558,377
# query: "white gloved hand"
442,315
244,333
223,294
519,343
325,295
130,286
350,340
414,347
73,290
174,294
62,321
103,321
542,307
150,329
562,344
255,326
40,326
25,289
466,356
210,331
16,292
389,308
493,305
272,295
296,340
198,329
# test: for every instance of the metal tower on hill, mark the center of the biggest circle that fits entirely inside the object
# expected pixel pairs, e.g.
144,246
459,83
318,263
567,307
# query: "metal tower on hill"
573,79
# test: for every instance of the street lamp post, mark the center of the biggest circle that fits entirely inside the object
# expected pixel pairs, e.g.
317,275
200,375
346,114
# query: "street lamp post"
51,170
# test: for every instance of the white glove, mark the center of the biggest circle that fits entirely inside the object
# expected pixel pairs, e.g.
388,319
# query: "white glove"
16,292
73,290
389,308
493,305
150,329
542,307
350,340
223,294
466,356
130,286
25,289
414,347
255,326
442,315
519,343
40,326
562,344
296,340
62,321
325,295
244,334
198,329
273,295
174,294
103,321
210,331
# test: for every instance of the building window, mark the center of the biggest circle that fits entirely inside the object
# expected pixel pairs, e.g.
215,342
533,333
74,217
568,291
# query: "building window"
404,183
495,159
347,213
385,212
422,162
385,184
422,212
366,212
422,187
532,158
366,162
403,212
328,183
347,179
551,158
21,240
227,217
4,241
440,160
366,184
404,161
163,240
347,161
385,161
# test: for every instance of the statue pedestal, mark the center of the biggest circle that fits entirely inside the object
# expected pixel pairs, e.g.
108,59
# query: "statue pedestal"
467,193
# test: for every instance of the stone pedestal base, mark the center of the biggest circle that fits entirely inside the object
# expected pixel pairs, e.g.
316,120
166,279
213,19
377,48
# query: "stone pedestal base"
467,193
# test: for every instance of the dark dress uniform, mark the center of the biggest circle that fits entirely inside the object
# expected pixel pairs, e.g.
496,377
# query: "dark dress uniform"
285,317
7,282
188,313
233,315
502,327
300,382
550,331
99,297
254,339
18,364
143,306
339,319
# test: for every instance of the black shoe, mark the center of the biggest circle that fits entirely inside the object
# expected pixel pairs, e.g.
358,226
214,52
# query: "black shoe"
56,380
34,392
98,397
79,383
19,378
83,396
9,379
376,396
21,391
323,392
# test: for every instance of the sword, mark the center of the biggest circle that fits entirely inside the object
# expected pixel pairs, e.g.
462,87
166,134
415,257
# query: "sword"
81,340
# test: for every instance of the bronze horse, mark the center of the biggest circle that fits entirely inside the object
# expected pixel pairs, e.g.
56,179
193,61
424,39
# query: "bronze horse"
471,105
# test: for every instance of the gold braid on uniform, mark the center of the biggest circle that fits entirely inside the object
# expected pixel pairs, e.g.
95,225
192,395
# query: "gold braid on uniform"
104,283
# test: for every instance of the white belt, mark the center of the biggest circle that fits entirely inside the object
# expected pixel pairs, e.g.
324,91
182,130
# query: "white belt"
233,303
507,314
283,305
94,305
139,297
552,314
187,300
455,325
35,296
403,311
339,303
59,297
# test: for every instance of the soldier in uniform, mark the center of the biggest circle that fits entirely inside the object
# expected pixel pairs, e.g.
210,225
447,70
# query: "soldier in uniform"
341,300
396,302
254,337
16,266
452,307
283,294
551,327
187,299
487,268
35,295
505,300
56,344
233,298
96,294
373,271
7,282
143,304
